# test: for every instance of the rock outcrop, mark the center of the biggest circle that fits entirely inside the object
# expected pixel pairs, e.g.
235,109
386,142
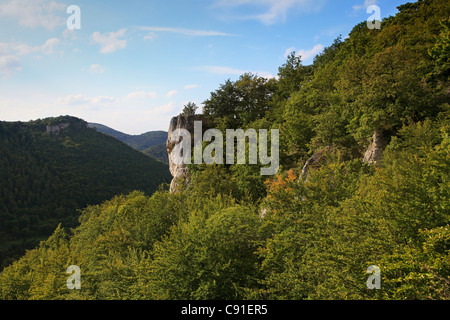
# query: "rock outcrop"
374,152
57,125
180,172
55,129
315,161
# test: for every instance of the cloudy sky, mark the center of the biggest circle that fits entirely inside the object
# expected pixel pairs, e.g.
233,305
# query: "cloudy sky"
133,64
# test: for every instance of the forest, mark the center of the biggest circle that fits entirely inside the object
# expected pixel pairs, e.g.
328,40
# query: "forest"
151,143
234,234
46,178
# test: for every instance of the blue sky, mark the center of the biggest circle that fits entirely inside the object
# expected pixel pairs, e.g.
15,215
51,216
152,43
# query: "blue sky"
134,64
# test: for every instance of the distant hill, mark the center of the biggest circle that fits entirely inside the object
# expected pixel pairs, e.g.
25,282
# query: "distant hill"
50,168
328,226
152,143
158,152
114,133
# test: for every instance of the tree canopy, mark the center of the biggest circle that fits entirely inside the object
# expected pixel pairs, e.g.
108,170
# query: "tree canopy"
234,234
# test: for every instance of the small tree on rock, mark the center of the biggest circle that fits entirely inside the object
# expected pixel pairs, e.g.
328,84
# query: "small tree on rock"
189,109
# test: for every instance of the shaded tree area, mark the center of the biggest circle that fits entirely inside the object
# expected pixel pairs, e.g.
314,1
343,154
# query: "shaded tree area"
45,178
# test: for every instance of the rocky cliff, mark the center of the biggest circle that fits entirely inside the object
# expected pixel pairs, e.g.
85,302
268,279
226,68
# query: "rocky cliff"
56,125
55,129
374,152
180,172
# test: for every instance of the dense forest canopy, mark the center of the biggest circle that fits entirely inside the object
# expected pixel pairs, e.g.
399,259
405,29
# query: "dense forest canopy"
152,143
46,177
234,234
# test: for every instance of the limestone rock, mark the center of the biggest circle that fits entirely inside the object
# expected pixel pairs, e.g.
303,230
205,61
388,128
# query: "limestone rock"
57,128
374,152
314,161
180,172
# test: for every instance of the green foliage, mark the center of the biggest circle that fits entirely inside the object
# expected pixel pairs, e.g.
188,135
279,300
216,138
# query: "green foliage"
158,152
45,179
325,231
420,272
208,257
189,109
316,239
211,181
140,142
241,102
234,234
151,143
40,273
440,54
292,76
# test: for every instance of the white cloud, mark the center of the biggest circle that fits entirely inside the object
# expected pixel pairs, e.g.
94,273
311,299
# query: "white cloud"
11,51
191,86
90,103
163,109
8,65
233,71
365,5
142,95
288,51
48,46
69,34
124,113
85,102
4,48
136,98
264,74
186,32
172,93
273,10
306,55
23,49
150,36
222,70
35,13
73,100
110,42
96,68
103,100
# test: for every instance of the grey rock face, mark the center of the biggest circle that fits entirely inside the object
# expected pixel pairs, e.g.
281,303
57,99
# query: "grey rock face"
374,152
57,128
314,161
180,172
